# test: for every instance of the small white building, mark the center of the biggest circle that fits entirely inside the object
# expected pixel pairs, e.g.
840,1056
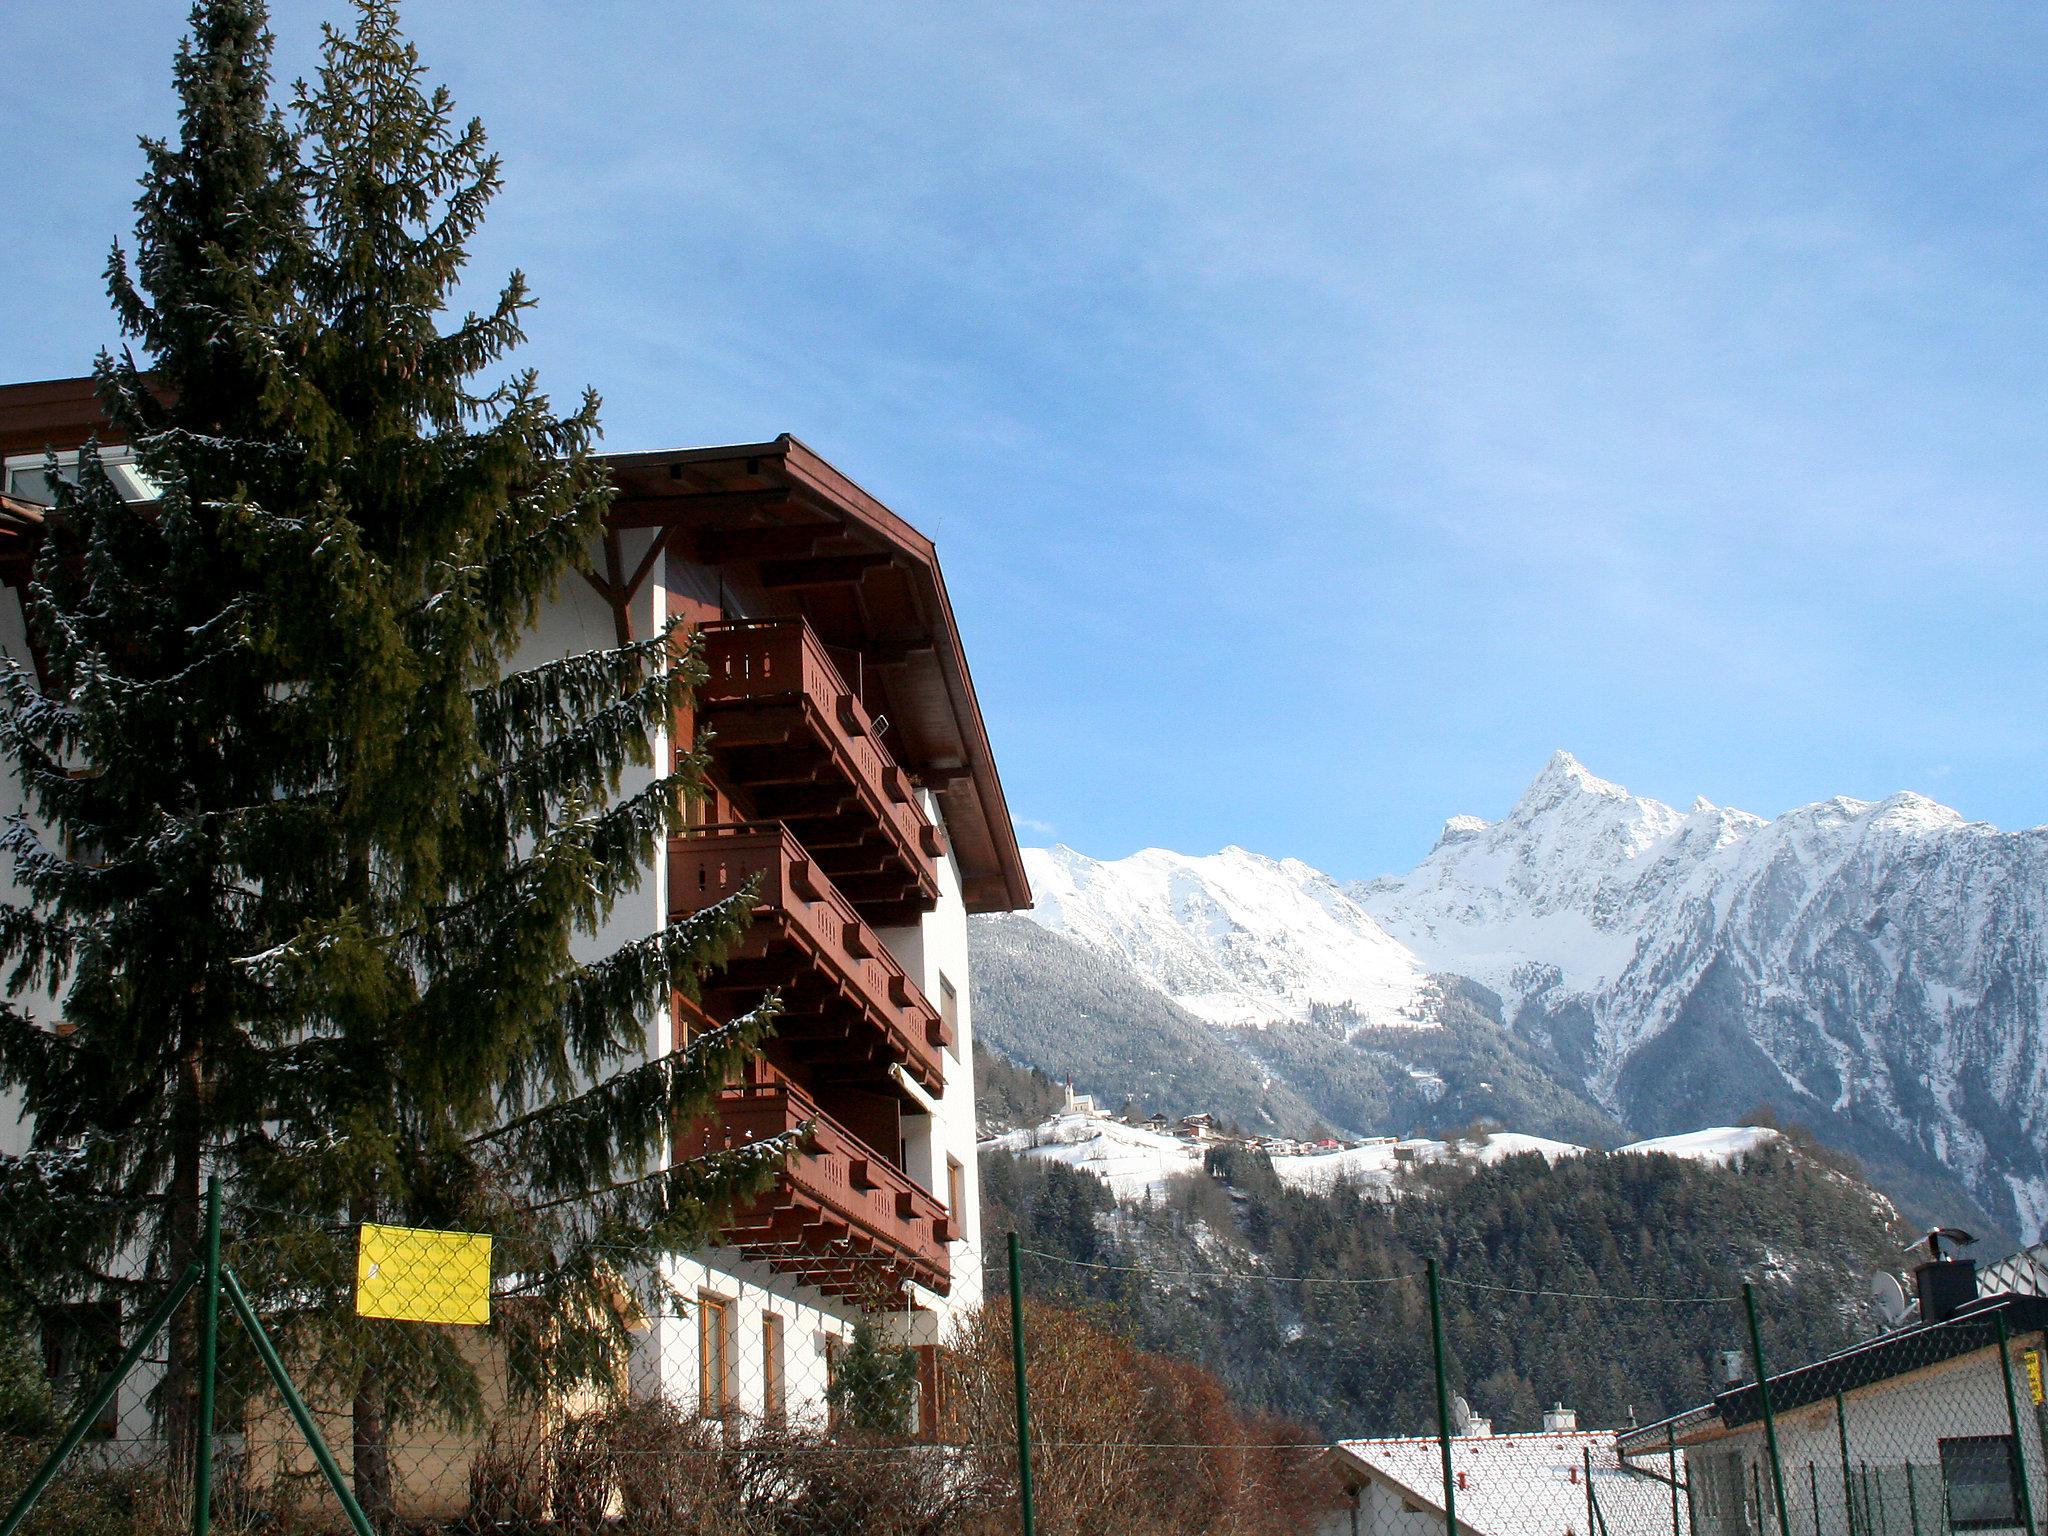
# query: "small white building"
1911,1433
1555,1483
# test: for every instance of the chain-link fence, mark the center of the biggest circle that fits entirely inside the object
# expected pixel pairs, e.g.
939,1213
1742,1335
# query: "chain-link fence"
434,1381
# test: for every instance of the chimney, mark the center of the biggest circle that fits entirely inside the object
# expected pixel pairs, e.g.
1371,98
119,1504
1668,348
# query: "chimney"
1945,1287
1559,1420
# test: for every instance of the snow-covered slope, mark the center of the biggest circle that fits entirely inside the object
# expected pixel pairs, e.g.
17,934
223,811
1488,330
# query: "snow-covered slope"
1136,1161
1234,938
1724,1145
1876,968
1132,1160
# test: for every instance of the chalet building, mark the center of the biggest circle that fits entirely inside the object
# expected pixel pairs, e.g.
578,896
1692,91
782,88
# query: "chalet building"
852,774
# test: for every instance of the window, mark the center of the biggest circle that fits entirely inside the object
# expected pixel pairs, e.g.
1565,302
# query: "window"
714,1356
1981,1480
773,1402
82,848
81,1343
956,1193
28,476
949,1010
829,1346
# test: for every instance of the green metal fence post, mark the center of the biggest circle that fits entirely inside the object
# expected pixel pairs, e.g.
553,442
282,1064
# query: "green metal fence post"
2012,1413
1671,1455
82,1422
1443,1404
1592,1504
1027,1513
1912,1500
1848,1488
1813,1490
209,1354
1763,1387
301,1414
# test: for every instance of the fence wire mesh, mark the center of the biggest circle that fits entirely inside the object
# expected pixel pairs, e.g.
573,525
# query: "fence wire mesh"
806,1390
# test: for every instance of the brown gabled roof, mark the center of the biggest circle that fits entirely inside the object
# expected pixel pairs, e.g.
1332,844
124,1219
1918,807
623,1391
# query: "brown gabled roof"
804,539
795,531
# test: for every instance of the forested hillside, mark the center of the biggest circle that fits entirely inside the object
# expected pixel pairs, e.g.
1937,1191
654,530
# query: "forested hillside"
1312,1306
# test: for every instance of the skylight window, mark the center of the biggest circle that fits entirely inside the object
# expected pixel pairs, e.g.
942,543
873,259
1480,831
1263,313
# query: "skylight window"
28,476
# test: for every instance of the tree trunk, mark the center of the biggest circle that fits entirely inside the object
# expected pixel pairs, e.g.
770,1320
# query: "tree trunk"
180,1393
371,1434
372,1448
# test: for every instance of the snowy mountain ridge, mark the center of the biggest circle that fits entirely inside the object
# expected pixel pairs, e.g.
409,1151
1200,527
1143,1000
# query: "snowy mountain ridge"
1877,968
1233,937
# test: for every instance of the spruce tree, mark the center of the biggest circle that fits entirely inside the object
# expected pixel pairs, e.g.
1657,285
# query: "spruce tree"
155,733
874,1384
318,859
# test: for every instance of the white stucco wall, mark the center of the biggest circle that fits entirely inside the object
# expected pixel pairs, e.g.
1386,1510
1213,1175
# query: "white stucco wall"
38,1004
932,949
576,623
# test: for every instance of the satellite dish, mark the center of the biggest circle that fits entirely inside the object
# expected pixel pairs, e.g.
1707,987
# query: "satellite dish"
1461,1416
1890,1297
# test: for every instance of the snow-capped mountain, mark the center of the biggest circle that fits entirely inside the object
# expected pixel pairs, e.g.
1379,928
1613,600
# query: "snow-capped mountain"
1234,937
1877,969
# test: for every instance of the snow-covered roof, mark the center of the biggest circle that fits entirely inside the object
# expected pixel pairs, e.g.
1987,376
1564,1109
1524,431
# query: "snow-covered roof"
1519,1485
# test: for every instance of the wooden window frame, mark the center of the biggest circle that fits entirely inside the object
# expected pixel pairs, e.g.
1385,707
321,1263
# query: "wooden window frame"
949,1012
714,1355
774,1385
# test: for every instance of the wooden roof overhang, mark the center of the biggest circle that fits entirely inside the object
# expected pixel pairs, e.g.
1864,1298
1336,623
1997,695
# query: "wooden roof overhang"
804,541
783,521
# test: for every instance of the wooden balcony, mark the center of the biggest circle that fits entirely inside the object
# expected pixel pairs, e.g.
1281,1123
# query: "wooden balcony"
791,742
847,1004
842,1217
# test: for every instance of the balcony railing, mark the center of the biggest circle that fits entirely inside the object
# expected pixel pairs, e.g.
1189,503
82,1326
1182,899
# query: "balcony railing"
840,1217
844,996
795,744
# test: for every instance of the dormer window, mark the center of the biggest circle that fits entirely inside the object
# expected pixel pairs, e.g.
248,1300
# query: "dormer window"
28,476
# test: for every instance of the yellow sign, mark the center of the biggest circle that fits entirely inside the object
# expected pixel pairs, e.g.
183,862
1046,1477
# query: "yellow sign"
418,1276
2032,1358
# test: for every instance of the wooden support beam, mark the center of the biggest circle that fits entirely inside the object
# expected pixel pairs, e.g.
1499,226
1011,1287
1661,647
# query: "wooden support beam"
820,570
695,507
718,546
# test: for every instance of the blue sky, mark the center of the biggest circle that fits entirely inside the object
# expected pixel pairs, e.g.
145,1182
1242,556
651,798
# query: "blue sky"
1323,413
